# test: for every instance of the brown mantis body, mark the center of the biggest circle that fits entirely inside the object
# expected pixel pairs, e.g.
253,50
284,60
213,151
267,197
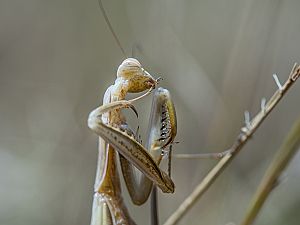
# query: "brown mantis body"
109,123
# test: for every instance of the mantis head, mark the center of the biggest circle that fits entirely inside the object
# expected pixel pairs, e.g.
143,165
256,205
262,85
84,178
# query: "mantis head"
138,79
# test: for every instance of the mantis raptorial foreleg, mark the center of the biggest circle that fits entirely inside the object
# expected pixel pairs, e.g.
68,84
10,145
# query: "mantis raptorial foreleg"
130,149
161,132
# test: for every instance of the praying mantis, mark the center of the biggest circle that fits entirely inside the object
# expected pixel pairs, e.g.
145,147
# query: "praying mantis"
109,123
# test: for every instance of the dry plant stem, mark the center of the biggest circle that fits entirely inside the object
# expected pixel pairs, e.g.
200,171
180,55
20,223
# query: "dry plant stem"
154,207
246,132
279,163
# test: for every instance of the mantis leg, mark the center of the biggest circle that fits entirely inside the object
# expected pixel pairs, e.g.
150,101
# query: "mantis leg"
108,205
216,155
161,132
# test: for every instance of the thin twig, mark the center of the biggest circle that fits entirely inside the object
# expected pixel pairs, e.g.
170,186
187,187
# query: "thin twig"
246,132
154,207
279,163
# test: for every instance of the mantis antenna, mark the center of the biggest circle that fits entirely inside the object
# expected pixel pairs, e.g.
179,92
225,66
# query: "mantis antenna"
111,28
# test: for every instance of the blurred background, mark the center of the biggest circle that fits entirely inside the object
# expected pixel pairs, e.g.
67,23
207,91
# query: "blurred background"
216,57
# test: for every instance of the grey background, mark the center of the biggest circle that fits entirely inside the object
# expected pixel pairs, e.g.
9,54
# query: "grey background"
217,59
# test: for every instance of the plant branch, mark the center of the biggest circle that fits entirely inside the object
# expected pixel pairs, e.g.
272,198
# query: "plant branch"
246,132
279,163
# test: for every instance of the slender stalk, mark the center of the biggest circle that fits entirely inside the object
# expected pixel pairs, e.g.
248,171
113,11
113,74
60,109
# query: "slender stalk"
279,163
246,132
154,207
